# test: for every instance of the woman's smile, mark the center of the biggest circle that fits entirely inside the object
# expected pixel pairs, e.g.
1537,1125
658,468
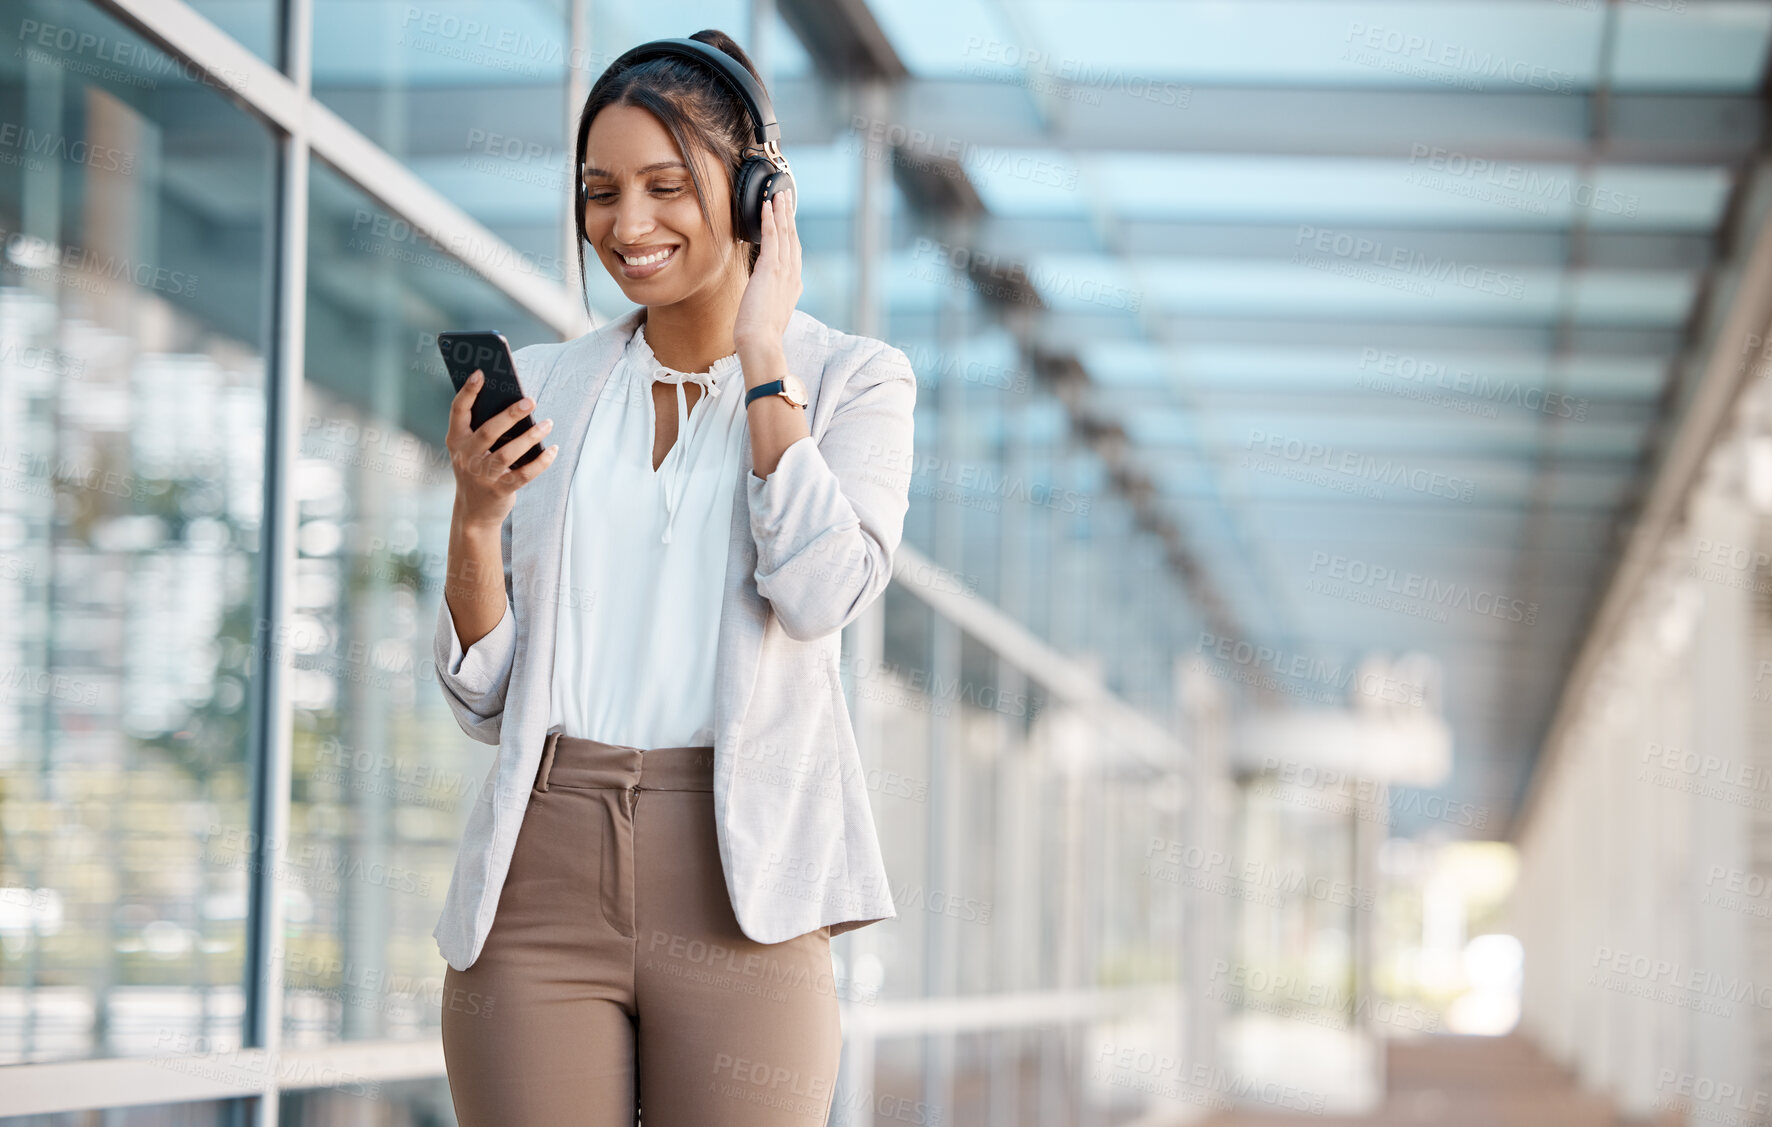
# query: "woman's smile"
646,261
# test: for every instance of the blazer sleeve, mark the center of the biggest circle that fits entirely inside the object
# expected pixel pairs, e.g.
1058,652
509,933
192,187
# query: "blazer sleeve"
828,519
475,682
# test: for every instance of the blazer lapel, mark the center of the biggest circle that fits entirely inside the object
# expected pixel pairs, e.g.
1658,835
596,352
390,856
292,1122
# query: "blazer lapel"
740,632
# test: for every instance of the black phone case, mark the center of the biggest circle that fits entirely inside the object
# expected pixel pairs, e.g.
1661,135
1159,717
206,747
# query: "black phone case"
488,351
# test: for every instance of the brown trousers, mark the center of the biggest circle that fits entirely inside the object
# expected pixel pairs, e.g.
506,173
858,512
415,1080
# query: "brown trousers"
615,978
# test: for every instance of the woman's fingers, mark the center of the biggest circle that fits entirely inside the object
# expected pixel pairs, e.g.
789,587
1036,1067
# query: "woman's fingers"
771,233
793,230
789,239
519,446
528,473
461,408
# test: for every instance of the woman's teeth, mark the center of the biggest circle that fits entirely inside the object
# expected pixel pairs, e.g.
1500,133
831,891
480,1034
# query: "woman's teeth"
647,260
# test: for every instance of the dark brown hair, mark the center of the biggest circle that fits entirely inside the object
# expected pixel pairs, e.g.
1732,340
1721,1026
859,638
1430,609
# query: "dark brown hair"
696,105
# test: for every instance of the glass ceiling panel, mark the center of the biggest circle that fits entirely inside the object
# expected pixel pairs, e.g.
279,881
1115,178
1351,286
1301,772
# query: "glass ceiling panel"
1344,286
1278,42
1231,432
1492,46
1207,367
1436,189
1267,42
1708,46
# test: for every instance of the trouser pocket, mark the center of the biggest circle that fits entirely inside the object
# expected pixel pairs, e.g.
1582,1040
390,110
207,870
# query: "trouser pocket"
547,765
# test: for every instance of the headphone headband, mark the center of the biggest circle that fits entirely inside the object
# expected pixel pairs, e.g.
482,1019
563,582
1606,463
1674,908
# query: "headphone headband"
756,101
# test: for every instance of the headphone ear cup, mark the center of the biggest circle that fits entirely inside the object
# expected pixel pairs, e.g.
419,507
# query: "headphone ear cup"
758,181
747,199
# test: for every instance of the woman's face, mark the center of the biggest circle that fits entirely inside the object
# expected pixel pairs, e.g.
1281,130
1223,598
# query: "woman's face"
641,205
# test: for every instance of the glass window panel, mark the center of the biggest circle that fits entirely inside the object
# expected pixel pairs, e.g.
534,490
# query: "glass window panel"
383,777
256,25
134,284
470,96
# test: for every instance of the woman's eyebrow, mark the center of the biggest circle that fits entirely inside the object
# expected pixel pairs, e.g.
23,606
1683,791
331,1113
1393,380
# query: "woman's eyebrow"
640,172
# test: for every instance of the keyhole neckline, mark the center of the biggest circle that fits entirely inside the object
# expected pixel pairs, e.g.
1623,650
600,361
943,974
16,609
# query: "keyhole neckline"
710,379
717,377
669,471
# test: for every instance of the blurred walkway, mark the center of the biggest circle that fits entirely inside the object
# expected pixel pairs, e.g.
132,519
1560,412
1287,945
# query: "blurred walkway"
1464,1082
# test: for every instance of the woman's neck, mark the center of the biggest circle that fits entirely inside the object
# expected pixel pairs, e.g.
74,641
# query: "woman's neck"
690,335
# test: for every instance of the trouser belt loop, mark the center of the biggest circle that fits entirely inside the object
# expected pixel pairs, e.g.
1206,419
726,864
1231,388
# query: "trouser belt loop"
547,761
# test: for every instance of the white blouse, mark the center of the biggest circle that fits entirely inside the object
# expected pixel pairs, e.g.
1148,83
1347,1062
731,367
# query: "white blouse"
643,558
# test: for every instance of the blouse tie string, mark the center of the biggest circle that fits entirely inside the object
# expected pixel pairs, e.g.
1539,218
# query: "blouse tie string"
674,484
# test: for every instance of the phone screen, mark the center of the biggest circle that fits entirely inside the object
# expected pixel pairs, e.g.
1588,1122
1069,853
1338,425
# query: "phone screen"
488,352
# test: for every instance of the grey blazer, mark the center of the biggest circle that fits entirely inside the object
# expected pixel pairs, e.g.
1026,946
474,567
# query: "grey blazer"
811,548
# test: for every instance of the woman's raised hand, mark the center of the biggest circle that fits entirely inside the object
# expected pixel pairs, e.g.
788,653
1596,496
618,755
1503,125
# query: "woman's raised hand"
485,484
775,286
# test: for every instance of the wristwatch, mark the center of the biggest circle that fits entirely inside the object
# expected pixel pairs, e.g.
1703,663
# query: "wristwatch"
788,387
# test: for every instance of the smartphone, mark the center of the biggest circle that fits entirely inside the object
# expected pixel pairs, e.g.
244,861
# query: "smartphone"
489,352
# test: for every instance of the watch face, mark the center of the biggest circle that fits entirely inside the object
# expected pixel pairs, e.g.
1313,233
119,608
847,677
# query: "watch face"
794,389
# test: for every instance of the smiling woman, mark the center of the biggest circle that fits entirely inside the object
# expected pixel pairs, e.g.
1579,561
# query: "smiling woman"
705,564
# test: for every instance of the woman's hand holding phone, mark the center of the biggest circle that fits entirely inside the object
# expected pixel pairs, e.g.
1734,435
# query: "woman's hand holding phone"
486,484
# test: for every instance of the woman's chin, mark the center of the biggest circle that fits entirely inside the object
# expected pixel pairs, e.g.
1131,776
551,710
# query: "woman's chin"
645,292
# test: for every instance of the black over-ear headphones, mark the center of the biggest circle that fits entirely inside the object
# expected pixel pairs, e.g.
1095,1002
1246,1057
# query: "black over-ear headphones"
761,175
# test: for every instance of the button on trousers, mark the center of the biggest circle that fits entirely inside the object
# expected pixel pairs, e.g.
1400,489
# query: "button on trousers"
615,985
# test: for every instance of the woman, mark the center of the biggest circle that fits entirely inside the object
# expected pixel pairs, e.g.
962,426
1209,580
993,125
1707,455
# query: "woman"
677,822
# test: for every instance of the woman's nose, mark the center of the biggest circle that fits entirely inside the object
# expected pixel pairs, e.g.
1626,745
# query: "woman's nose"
632,221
